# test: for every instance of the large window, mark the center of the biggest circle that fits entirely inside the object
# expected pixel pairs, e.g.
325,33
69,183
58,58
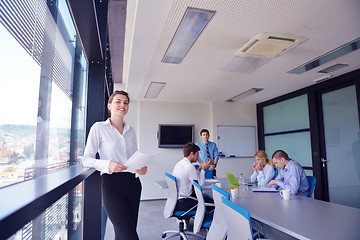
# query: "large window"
43,81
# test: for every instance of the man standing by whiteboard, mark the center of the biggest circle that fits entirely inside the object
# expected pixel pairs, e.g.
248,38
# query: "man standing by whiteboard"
208,150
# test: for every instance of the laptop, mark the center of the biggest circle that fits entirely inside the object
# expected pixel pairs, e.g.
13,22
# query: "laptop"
234,182
232,178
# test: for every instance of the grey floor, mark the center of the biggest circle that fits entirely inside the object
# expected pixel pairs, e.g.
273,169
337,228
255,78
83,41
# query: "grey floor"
151,222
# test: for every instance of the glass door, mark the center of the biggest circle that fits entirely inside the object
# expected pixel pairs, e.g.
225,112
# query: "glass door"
340,158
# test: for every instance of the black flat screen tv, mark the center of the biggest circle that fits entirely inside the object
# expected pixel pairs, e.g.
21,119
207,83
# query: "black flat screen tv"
175,136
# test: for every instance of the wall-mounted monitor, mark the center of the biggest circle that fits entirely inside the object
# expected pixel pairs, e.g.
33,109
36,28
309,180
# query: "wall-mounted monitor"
175,136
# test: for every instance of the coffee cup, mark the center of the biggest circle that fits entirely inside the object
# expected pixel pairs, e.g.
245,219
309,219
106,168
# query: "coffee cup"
285,193
234,192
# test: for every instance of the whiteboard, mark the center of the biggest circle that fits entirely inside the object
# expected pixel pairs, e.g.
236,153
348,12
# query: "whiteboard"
237,140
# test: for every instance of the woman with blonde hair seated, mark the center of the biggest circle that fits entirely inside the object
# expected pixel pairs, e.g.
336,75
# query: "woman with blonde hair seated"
263,169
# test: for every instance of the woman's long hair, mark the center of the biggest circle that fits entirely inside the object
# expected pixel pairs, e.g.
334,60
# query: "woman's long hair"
262,155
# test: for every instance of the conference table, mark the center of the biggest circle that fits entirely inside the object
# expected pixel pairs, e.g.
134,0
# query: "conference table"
300,217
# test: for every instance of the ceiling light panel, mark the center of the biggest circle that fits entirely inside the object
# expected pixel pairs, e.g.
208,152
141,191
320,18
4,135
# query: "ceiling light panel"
245,94
327,57
333,68
191,26
154,89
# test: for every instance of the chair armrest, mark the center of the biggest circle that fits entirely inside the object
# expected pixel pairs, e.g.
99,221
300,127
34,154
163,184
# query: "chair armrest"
210,204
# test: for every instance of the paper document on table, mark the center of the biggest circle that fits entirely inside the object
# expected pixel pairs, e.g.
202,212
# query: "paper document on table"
211,180
263,189
138,160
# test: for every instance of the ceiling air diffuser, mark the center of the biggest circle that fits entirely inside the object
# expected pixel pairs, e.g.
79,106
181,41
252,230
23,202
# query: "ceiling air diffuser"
269,45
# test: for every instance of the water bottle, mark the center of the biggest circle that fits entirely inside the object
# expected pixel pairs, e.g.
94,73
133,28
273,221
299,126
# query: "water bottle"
241,182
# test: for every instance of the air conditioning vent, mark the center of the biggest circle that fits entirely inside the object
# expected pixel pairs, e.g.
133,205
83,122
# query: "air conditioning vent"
269,45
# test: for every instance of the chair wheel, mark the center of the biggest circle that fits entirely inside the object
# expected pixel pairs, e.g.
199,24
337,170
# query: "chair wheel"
163,235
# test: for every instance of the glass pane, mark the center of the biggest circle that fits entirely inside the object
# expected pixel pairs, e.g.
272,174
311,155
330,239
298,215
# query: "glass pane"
309,172
342,141
60,123
287,115
36,136
79,111
296,145
19,93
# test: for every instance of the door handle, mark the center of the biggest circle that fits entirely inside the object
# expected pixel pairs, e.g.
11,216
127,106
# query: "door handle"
323,162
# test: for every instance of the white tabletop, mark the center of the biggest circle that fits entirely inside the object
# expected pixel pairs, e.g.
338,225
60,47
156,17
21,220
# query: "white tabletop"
301,217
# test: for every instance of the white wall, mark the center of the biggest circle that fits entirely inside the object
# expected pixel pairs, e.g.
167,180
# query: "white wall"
239,115
145,116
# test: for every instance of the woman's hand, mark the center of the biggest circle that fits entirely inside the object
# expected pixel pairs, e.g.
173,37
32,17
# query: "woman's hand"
259,167
142,171
116,167
254,166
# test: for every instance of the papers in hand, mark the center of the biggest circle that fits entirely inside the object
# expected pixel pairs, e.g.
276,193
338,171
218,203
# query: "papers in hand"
138,160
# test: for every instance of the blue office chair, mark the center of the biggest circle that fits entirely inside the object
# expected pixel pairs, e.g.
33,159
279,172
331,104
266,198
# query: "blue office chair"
238,220
182,216
218,226
276,173
202,219
312,182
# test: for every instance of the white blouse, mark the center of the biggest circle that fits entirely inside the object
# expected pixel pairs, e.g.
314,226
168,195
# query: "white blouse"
263,177
105,139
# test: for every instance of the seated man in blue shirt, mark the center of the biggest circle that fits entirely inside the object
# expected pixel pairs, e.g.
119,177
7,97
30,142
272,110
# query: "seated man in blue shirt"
291,176
208,151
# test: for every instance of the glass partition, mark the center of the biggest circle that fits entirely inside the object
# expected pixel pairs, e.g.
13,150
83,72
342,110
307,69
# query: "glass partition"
342,142
286,126
288,115
297,145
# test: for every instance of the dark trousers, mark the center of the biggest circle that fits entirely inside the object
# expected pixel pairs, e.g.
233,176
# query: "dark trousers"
121,198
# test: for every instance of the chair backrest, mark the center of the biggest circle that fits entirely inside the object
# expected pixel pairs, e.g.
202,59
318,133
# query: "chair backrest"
200,211
276,173
218,226
238,220
312,182
173,195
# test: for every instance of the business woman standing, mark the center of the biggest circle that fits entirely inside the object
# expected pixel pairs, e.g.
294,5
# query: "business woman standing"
115,141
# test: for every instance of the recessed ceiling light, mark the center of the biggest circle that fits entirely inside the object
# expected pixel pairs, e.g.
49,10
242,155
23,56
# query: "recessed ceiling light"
192,24
327,57
244,94
333,68
154,89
